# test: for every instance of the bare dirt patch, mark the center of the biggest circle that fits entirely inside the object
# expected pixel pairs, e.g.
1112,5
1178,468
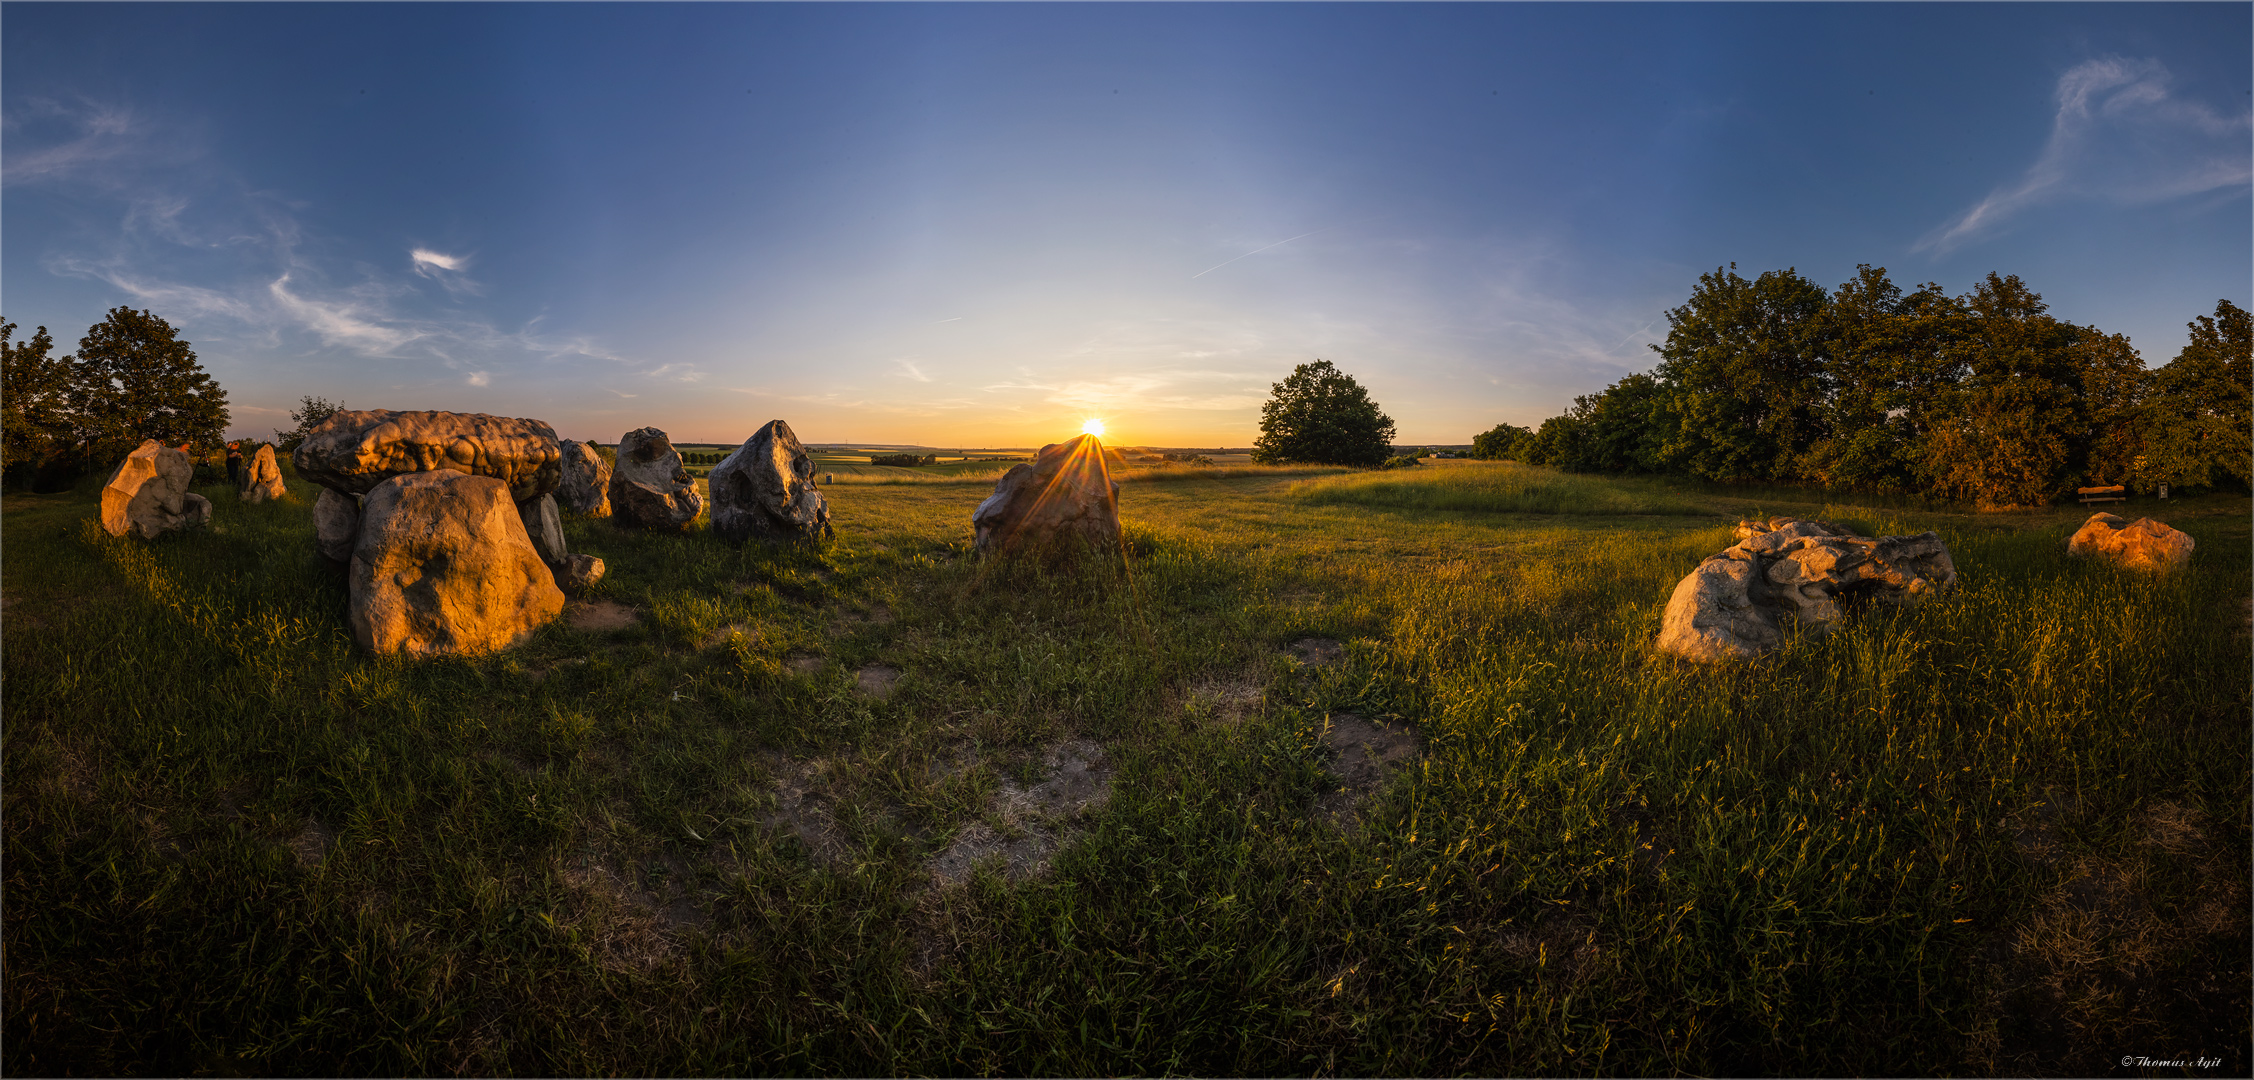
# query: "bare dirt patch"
1365,752
803,663
1226,699
1317,651
599,616
312,843
722,635
876,680
803,811
633,919
1075,777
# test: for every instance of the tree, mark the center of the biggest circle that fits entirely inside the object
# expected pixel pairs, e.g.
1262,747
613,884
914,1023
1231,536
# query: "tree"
1320,414
1745,361
2197,423
1891,360
2009,431
35,417
1500,442
309,415
138,380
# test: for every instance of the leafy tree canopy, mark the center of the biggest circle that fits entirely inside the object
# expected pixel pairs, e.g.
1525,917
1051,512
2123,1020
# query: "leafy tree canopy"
137,380
35,418
1500,442
1319,414
2198,421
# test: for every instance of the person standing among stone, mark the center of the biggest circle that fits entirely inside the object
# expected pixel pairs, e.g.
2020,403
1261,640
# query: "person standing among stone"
235,465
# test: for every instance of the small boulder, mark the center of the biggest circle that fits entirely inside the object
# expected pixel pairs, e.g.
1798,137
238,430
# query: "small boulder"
648,487
585,488
1737,603
1065,496
443,566
2143,544
336,524
353,451
579,571
766,490
261,477
148,494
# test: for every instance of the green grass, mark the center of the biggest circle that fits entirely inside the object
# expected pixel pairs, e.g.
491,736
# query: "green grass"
1496,488
2005,832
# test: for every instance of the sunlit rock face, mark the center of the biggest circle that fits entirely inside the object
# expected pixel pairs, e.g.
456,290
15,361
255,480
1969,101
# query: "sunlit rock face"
585,487
2143,544
766,490
149,494
442,566
648,487
353,451
261,477
1061,501
1787,574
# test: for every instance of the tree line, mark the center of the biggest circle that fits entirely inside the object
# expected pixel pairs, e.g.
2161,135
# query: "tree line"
1984,397
131,379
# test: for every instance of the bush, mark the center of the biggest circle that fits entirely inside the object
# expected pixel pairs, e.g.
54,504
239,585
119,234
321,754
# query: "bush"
1402,461
904,460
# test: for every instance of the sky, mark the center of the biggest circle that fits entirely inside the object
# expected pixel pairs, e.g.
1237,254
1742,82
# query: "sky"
980,225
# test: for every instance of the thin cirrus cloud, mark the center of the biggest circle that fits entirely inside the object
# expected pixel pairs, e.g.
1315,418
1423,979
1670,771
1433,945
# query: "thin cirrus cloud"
2120,134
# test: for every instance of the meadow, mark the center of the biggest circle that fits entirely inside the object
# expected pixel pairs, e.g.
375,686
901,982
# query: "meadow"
883,807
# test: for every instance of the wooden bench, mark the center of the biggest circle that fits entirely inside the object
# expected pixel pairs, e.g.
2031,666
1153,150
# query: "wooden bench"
2116,493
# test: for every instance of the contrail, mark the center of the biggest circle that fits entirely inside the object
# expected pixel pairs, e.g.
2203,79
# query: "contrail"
1249,254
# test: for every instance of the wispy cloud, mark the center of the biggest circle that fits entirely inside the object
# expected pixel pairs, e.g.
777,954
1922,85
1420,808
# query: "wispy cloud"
95,135
2119,134
909,369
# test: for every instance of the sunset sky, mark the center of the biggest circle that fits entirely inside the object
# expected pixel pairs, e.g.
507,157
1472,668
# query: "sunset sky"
980,225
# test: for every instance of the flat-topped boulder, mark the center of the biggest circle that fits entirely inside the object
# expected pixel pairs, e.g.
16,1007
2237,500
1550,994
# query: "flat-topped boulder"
2143,544
261,477
1063,499
1790,574
354,450
648,487
765,490
148,494
442,566
585,488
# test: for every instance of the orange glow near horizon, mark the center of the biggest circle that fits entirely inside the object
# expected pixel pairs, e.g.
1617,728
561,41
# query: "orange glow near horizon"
1093,427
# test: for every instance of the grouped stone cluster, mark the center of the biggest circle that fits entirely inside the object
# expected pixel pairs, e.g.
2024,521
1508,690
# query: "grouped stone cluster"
1787,574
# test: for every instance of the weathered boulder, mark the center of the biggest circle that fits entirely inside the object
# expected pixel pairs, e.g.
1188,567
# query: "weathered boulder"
766,490
353,451
2143,544
1790,574
443,566
585,488
261,477
148,493
544,526
648,487
336,524
1062,498
579,571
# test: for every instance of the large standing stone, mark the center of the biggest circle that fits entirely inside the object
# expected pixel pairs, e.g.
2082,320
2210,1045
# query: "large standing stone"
336,524
648,487
261,477
2143,544
1064,497
766,490
356,450
443,566
148,493
586,480
1737,603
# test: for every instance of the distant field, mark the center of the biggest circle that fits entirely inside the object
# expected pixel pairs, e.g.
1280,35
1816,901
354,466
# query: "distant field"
883,807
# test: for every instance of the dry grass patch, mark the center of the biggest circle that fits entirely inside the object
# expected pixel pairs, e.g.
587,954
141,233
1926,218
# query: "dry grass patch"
599,616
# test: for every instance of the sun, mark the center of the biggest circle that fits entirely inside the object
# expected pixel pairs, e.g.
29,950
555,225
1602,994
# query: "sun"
1093,427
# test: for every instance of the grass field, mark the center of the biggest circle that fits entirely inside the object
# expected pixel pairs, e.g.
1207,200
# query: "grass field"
883,807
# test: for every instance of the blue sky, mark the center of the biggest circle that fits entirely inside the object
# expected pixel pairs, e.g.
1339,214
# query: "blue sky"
980,224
